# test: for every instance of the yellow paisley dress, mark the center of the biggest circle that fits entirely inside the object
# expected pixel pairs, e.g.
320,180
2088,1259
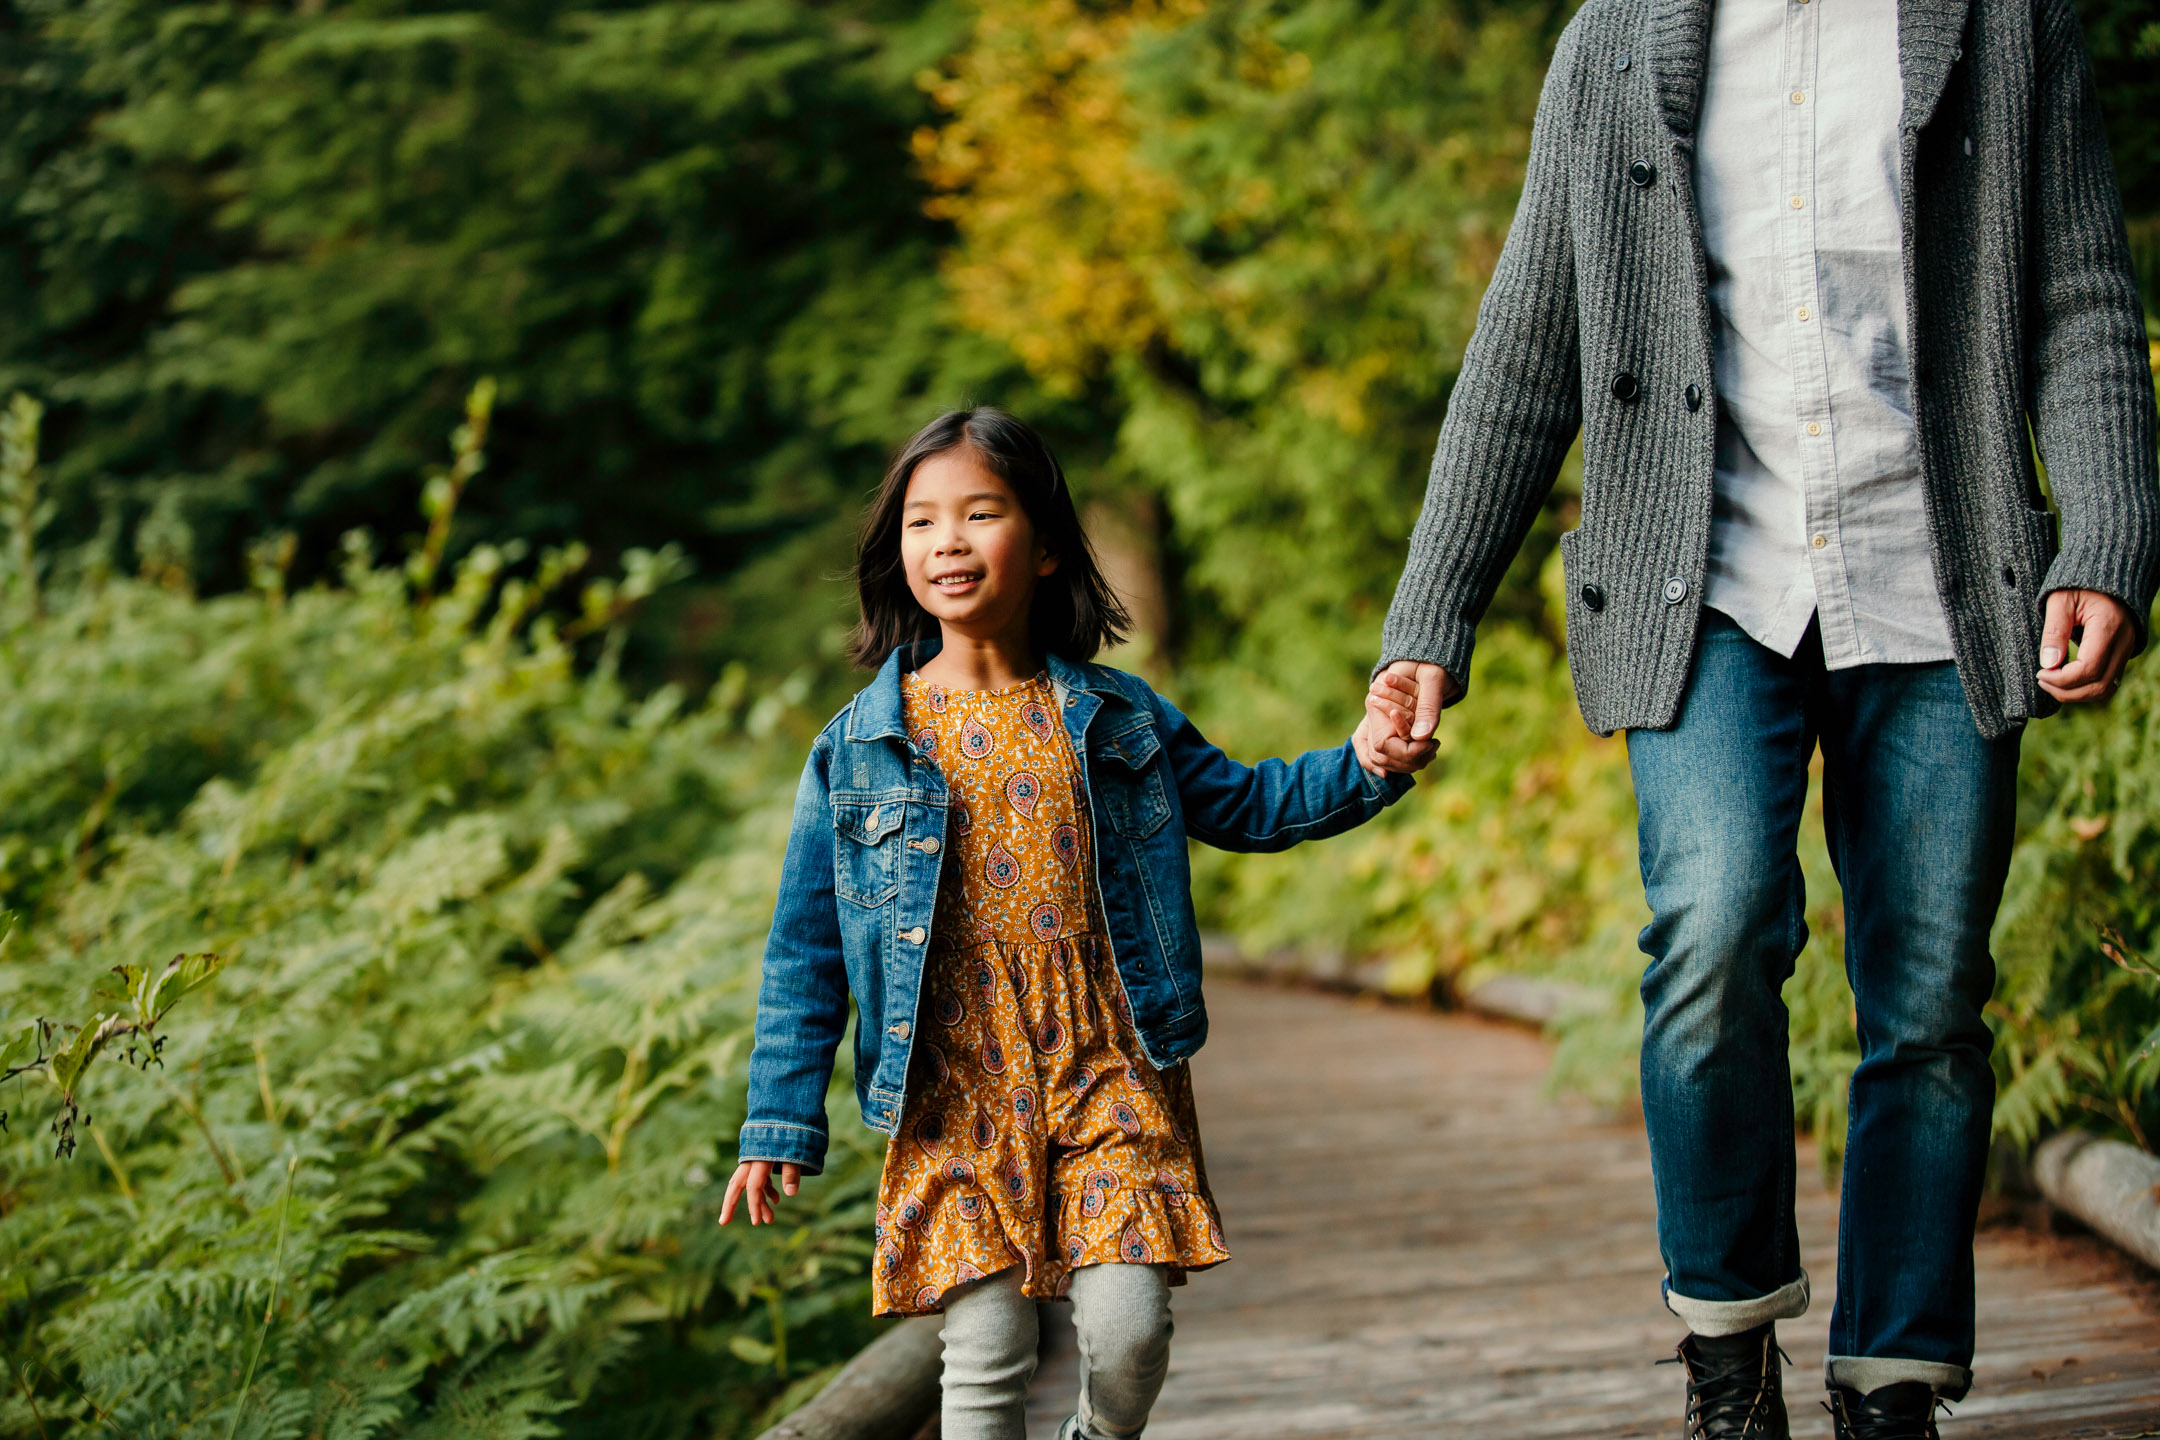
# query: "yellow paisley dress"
1036,1131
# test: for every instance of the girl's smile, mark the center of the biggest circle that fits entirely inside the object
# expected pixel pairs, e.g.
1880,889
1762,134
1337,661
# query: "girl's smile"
972,560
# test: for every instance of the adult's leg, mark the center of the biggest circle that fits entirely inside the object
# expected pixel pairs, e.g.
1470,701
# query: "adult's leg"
991,1337
1919,810
1121,1314
1720,797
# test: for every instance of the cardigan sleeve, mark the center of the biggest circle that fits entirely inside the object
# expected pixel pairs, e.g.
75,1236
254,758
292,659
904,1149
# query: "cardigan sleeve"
1512,415
2090,394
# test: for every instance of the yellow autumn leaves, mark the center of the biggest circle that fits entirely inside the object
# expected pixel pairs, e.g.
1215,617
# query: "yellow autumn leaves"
1063,228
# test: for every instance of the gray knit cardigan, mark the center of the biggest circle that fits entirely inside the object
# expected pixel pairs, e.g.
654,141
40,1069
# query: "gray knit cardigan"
2021,309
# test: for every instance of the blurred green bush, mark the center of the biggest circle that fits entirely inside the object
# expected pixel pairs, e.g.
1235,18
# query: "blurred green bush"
463,1097
252,256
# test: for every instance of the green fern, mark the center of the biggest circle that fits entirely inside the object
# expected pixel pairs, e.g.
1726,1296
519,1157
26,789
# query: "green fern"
490,927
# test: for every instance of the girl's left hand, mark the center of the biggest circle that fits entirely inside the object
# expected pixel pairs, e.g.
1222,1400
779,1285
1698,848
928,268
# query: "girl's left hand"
753,1182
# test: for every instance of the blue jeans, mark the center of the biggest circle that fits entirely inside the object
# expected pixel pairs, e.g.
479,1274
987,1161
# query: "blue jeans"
1918,811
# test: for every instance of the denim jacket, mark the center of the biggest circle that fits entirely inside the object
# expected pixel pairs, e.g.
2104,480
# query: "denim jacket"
860,882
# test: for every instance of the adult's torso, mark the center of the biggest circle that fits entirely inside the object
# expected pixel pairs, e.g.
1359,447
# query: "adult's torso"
1818,507
1631,74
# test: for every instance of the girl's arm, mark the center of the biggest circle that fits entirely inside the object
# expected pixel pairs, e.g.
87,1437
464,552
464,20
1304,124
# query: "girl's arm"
803,999
1272,805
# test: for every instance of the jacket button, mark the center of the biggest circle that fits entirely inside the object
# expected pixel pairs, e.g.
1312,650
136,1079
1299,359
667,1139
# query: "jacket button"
900,1031
915,936
1643,173
1593,599
1675,590
1626,388
928,844
1694,397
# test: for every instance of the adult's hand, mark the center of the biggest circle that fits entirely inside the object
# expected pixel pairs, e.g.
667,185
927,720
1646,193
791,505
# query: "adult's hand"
2104,633
1417,692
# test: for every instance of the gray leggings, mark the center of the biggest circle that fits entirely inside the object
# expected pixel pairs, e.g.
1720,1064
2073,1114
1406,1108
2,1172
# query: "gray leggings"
1122,1316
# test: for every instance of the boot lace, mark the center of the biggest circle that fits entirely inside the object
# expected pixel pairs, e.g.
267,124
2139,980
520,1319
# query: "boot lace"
1732,1401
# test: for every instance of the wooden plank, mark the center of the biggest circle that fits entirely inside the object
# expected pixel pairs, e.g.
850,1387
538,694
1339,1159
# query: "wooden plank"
1428,1244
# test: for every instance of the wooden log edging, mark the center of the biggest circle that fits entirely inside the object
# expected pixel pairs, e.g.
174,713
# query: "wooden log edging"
2112,1187
1520,999
885,1393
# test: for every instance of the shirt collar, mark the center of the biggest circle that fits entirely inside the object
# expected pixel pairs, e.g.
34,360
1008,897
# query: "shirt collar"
1930,34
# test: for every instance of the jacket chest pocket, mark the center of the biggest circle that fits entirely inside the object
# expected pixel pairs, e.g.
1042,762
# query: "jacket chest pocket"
866,865
1129,781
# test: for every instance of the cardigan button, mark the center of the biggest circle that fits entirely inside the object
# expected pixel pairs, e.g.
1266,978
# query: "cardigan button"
2009,576
1675,590
1694,398
1643,173
1626,388
1622,63
1593,599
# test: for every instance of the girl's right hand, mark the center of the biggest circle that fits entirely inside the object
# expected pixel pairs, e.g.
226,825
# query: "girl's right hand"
752,1182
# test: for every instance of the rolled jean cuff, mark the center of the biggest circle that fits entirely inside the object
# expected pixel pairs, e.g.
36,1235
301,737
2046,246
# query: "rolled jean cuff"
1867,1373
1712,1318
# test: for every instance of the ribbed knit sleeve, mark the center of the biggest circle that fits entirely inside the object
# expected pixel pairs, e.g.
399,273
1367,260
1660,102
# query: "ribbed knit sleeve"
2091,392
1512,415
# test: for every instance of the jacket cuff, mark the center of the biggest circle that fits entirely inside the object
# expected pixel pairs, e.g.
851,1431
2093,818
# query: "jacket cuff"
1378,790
1388,788
782,1143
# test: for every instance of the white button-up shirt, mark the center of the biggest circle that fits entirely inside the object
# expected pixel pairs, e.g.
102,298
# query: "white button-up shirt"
1818,508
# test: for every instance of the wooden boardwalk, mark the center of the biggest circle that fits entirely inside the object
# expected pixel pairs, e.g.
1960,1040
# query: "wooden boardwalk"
1427,1246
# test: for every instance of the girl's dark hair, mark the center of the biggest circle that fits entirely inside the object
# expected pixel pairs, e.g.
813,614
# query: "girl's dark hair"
1074,613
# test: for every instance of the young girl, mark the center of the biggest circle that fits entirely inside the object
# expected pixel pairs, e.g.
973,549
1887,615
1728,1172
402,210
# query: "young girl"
988,853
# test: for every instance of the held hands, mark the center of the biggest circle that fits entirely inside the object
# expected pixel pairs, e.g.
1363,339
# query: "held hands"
1402,709
753,1184
2101,627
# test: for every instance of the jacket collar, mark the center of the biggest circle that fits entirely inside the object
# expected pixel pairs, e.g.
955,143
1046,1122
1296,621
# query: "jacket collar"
877,711
1678,44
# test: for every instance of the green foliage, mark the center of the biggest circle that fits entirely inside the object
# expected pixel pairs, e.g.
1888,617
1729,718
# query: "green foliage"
441,1144
2078,1006
253,256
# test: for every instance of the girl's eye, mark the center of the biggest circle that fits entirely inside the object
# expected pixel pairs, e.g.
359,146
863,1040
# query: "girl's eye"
984,515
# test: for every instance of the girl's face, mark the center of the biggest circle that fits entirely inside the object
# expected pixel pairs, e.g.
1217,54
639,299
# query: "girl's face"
969,549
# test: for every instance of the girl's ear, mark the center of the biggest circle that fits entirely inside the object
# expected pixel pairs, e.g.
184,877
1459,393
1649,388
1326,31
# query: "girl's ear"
1046,566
